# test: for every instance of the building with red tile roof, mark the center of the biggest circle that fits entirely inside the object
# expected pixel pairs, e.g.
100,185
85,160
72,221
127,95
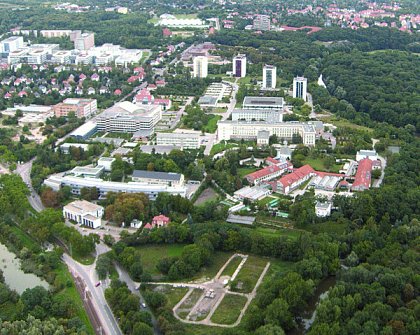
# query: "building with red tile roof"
147,226
363,175
160,221
268,173
291,181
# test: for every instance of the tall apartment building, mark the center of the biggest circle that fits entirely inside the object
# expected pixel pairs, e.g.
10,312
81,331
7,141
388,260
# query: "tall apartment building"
261,22
183,140
269,76
227,130
239,66
85,41
11,44
126,117
80,107
300,86
200,67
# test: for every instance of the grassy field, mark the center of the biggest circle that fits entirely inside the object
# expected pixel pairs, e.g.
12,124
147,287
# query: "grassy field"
229,309
232,266
173,294
243,171
207,195
250,273
318,164
339,122
151,254
211,126
219,147
218,259
69,294
189,303
126,136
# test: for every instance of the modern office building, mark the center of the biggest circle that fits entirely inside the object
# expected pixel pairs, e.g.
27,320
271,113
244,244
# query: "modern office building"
80,107
269,77
200,67
268,115
158,178
263,103
300,86
84,41
11,44
84,131
239,66
261,22
84,212
61,57
126,117
182,140
57,181
237,130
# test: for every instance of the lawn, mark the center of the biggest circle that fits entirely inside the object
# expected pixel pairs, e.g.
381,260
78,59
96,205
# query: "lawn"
207,195
219,147
232,266
126,136
152,254
250,273
189,303
339,122
70,295
173,294
293,234
243,171
208,272
229,309
211,126
318,164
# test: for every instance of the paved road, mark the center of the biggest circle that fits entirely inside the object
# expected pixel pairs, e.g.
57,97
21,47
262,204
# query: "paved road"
133,287
24,170
98,298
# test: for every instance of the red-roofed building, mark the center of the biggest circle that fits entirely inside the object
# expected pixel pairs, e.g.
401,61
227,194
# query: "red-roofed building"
271,161
147,226
288,183
267,173
117,92
166,32
7,95
160,221
363,175
160,83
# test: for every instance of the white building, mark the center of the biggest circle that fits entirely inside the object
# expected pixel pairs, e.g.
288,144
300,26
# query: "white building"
268,115
182,140
300,87
65,147
323,209
239,66
227,130
89,172
126,117
61,57
251,102
55,33
106,162
200,67
77,183
371,154
269,77
158,178
11,44
261,22
84,213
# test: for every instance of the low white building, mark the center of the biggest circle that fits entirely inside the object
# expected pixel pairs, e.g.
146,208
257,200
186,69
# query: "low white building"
106,162
84,212
371,154
323,209
65,147
182,140
158,178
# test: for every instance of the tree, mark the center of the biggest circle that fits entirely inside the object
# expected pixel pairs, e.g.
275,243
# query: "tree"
270,330
278,314
141,328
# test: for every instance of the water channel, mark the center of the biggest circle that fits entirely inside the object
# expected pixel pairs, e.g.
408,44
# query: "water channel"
309,314
13,274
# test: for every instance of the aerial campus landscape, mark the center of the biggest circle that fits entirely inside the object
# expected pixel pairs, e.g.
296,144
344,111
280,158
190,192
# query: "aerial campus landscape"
209,167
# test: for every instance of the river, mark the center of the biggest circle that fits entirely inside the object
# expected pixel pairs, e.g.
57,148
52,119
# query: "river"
308,315
13,274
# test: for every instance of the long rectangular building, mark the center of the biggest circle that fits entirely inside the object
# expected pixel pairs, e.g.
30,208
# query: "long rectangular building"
80,107
251,102
228,130
77,183
269,115
183,140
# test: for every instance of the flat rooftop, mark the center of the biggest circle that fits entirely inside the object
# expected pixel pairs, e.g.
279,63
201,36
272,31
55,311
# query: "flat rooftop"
265,101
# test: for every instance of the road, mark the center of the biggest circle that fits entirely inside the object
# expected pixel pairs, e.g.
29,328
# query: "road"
86,273
24,171
133,287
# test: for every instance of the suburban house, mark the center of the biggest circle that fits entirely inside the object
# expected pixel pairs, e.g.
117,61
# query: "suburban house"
157,222
84,212
323,209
